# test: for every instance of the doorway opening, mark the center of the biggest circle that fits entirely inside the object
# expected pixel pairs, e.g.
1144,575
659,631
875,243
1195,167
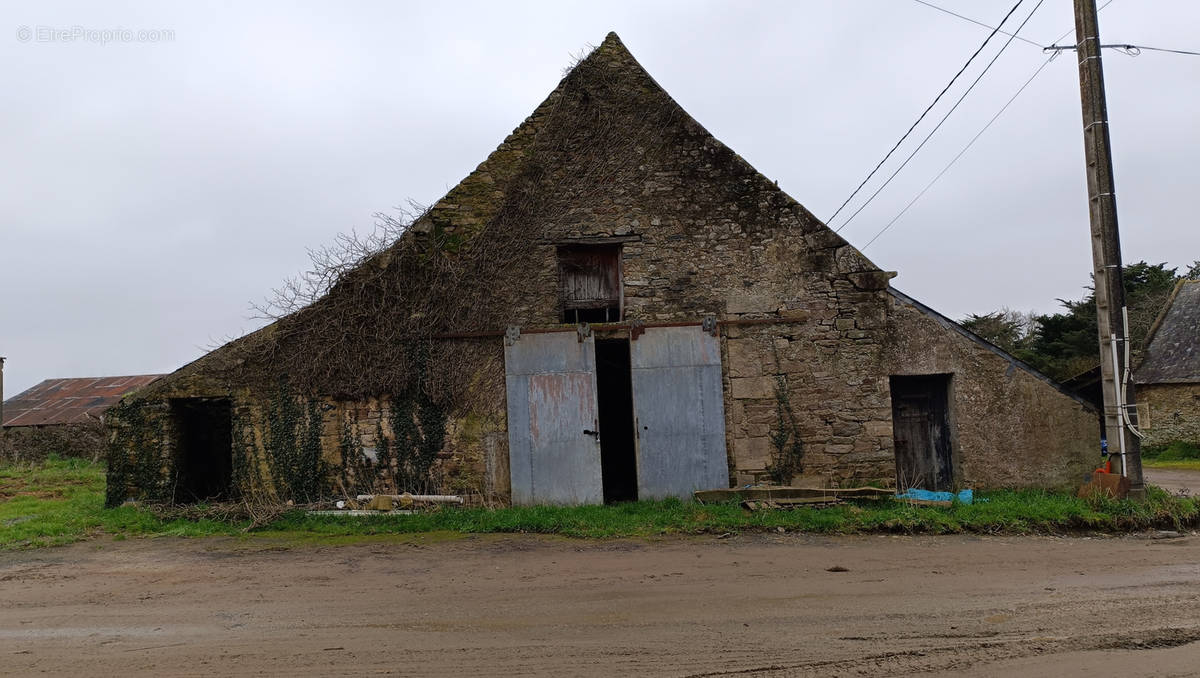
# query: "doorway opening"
203,432
921,432
614,388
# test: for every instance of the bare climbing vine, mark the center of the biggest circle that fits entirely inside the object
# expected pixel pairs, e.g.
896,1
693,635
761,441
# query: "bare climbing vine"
350,326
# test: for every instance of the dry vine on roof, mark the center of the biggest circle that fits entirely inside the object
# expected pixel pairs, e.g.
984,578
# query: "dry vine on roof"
383,300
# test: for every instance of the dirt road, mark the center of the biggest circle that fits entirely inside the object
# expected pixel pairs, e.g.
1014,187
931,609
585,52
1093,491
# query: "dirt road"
1173,480
746,606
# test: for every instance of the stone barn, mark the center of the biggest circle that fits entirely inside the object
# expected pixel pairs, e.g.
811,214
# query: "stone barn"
614,305
1168,378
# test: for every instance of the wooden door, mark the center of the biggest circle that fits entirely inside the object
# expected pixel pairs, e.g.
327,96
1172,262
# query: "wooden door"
921,432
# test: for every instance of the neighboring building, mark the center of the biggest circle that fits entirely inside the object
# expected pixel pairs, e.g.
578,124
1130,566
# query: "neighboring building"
81,400
613,305
1168,378
62,417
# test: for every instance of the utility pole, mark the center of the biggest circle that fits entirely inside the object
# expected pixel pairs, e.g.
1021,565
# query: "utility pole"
1123,446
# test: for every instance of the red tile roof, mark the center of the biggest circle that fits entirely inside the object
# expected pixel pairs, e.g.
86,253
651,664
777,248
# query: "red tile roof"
70,401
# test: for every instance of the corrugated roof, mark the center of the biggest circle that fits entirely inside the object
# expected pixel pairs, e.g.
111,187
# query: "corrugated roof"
70,401
1173,352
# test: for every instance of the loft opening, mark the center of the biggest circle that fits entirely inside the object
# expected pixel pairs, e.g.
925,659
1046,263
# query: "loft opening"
590,283
203,437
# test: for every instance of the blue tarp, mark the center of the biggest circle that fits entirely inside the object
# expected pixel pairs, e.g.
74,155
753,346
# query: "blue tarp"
963,497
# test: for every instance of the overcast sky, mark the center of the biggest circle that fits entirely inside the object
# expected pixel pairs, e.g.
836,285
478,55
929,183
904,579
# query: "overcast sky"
152,186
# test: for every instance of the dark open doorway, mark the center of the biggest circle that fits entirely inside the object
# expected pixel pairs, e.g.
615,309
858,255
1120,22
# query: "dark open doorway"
921,432
203,429
614,386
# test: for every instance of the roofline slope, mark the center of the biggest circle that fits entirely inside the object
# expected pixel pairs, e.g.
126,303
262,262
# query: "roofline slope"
1148,360
1013,360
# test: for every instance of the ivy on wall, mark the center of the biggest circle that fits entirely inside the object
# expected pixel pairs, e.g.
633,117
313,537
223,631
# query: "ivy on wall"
293,445
787,450
404,461
137,468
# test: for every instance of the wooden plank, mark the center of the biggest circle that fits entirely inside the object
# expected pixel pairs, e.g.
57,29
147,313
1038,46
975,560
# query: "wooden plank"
718,496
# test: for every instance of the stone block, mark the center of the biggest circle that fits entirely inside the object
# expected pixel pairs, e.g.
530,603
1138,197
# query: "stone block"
751,452
745,358
877,428
871,280
748,301
752,387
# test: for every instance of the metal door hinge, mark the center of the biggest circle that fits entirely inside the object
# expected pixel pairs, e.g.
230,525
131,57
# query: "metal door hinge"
636,329
512,334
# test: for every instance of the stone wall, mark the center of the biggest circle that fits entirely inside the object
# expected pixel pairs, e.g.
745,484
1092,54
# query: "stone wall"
473,461
1174,413
23,444
1012,426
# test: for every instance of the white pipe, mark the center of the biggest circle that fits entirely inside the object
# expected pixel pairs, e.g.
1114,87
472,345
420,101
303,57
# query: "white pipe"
1112,343
1125,380
427,498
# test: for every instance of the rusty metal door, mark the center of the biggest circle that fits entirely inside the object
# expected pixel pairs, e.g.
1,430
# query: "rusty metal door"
553,445
679,411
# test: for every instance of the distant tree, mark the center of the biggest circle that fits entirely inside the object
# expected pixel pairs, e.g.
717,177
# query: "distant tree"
1193,271
1064,344
1006,328
1147,289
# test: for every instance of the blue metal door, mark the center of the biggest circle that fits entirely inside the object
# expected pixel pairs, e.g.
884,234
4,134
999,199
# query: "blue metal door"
553,446
679,411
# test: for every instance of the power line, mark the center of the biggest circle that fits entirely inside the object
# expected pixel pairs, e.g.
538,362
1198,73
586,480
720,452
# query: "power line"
940,122
961,153
1131,50
977,23
923,114
1052,46
976,137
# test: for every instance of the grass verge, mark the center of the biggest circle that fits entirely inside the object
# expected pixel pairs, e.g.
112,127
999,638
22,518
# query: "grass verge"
62,501
1180,464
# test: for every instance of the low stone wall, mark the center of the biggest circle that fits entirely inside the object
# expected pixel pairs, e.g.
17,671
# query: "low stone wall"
1173,413
340,447
23,444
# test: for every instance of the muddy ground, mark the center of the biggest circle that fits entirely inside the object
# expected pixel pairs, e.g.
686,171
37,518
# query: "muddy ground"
761,605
